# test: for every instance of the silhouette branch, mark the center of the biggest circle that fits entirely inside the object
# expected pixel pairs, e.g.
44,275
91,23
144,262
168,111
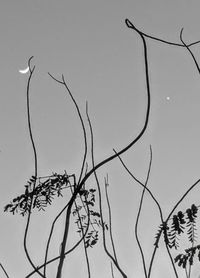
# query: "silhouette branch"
4,270
132,26
35,164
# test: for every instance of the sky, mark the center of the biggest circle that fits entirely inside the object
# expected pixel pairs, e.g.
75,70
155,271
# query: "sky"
102,62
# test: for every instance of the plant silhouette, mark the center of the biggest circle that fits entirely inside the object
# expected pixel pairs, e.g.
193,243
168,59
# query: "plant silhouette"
83,203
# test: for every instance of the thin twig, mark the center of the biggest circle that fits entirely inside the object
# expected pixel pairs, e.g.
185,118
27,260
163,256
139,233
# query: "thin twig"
4,270
63,82
181,199
198,68
171,260
186,273
100,201
138,215
147,189
112,272
152,196
31,70
110,219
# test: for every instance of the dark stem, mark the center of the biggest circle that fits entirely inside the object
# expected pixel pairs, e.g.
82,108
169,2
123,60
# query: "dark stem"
110,219
112,272
138,215
35,166
4,270
131,26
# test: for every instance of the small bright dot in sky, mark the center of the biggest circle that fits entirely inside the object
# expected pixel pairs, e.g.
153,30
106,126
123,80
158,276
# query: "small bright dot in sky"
168,98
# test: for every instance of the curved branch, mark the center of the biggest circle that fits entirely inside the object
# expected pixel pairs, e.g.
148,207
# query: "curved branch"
83,127
134,141
35,165
181,199
171,259
80,117
132,26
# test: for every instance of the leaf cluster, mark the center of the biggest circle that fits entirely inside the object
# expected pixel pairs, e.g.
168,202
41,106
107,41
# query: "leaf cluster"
182,222
39,192
163,229
179,224
188,256
83,212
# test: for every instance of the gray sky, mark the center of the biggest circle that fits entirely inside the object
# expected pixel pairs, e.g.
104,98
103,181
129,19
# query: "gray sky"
102,62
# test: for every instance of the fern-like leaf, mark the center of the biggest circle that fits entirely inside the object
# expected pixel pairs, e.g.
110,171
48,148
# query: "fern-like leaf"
191,223
40,194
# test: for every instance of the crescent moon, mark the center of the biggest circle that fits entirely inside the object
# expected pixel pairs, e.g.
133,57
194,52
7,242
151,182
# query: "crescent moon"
24,71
